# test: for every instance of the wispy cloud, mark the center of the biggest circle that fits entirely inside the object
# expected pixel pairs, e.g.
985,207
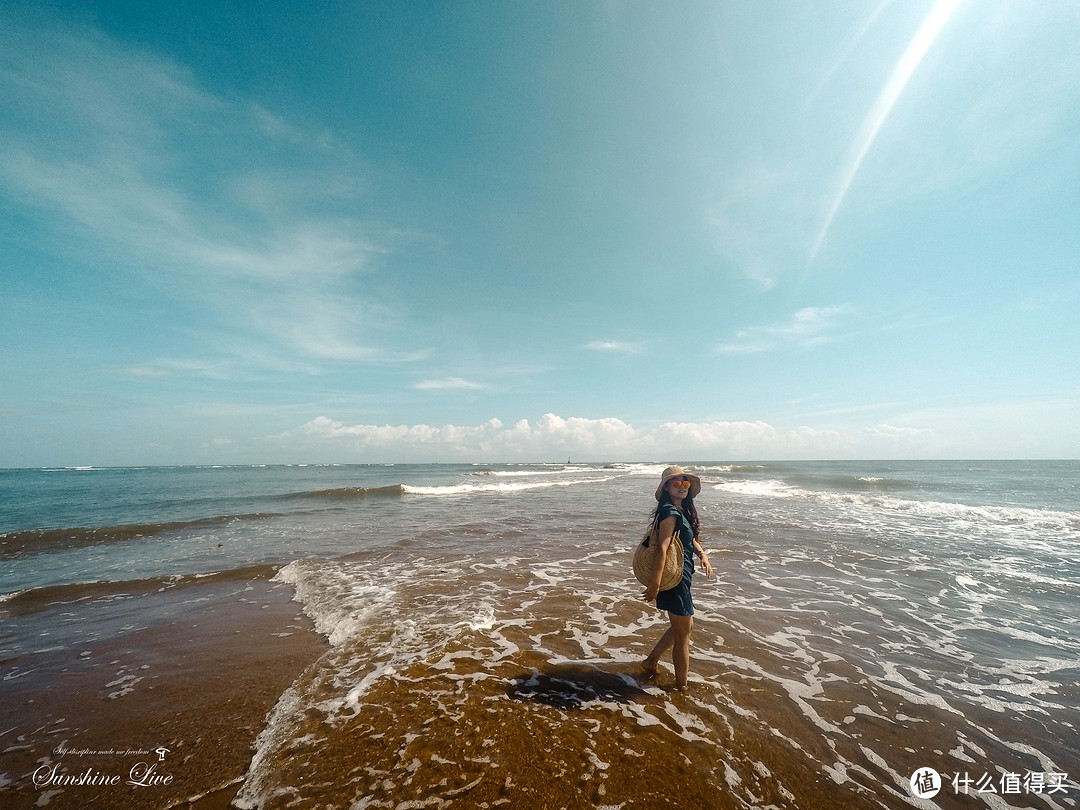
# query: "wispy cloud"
811,326
448,384
614,346
210,200
404,436
166,368
759,220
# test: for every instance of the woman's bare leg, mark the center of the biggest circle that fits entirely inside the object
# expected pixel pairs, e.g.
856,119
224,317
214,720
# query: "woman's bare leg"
651,663
680,629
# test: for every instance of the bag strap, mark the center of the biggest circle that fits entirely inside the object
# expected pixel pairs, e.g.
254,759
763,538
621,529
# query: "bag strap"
655,527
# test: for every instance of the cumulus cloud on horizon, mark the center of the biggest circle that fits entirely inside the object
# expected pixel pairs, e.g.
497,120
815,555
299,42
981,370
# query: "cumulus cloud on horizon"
608,438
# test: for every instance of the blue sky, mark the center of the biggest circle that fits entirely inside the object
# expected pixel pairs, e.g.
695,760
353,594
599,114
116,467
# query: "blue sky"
485,231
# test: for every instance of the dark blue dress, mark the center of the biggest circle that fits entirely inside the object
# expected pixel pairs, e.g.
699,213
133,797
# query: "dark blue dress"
677,600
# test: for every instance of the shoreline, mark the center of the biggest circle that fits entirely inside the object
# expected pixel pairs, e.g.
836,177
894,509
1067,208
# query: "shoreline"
146,699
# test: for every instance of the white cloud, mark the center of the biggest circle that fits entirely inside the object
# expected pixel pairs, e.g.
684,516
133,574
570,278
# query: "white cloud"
549,433
553,434
610,438
811,326
899,433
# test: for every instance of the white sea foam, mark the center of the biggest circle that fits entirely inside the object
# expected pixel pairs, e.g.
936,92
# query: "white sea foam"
1068,523
484,619
336,602
1014,572
761,489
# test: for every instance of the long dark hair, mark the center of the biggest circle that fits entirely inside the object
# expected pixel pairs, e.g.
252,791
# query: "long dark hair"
688,509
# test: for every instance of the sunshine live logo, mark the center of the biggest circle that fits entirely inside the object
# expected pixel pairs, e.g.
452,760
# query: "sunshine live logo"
141,774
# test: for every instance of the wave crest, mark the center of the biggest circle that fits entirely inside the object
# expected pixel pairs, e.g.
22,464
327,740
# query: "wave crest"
471,489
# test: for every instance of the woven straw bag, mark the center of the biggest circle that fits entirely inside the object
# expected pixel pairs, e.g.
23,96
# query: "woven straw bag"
673,563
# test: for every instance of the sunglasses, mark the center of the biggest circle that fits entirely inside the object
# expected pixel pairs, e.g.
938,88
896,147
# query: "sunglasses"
682,482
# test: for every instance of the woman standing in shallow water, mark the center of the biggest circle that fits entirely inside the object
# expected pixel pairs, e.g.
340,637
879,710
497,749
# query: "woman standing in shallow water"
676,519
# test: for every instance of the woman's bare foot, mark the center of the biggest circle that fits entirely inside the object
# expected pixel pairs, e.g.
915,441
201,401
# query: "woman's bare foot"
648,670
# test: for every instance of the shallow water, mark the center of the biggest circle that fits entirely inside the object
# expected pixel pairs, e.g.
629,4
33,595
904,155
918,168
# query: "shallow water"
866,621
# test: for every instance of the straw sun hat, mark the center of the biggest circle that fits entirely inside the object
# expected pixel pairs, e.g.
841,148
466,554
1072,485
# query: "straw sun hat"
677,472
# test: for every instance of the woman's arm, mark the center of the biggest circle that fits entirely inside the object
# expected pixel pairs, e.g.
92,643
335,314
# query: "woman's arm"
704,558
665,532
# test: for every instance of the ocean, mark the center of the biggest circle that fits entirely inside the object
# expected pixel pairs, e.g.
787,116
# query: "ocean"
875,635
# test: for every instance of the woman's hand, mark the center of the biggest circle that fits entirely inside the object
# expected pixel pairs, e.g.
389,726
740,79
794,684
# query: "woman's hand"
650,594
705,564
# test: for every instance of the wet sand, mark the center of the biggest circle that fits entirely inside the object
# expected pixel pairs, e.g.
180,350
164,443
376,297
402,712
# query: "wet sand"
474,713
98,680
